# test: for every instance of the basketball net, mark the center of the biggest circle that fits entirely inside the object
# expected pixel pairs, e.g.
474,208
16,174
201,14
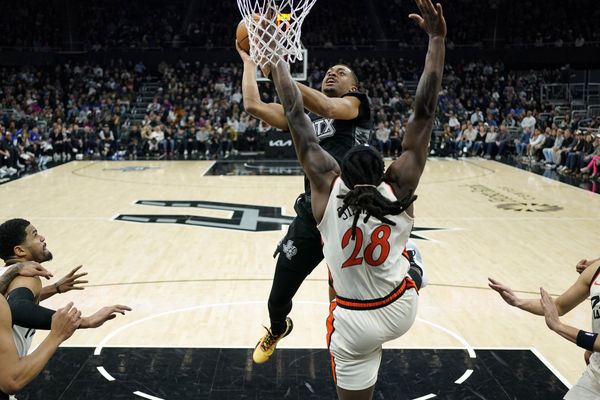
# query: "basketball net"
274,29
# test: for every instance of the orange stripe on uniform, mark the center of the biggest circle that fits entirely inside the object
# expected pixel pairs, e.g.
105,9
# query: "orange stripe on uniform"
405,254
330,330
407,283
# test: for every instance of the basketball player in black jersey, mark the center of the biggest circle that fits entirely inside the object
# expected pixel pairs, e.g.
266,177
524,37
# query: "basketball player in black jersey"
341,117
16,372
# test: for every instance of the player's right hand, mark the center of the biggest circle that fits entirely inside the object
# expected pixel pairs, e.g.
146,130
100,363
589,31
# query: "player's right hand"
32,268
243,54
64,322
504,291
432,21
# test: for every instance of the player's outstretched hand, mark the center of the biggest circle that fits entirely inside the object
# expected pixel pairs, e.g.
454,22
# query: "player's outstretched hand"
582,265
506,292
432,21
32,268
104,314
64,322
70,281
550,311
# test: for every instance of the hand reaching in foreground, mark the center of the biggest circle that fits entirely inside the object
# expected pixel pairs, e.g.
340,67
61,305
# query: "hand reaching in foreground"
64,322
432,21
504,291
550,311
104,314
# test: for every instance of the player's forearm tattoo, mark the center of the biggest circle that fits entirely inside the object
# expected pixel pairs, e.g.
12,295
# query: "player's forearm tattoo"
11,273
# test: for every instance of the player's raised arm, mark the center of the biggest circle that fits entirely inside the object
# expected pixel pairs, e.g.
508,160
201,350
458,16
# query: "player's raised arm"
319,166
271,113
404,173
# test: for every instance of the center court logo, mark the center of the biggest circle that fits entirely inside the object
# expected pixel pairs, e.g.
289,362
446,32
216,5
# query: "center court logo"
510,199
244,217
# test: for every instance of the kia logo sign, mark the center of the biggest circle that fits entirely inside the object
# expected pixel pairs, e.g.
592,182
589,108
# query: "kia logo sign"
280,143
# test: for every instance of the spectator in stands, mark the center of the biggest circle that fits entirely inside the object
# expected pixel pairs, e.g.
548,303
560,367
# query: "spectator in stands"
496,147
550,151
480,140
522,143
382,135
536,142
528,121
590,152
572,159
396,137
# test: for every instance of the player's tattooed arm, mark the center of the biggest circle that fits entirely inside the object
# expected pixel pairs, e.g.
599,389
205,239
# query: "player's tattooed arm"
27,268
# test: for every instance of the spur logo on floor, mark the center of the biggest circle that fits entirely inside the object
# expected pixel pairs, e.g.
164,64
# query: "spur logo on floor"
244,217
513,200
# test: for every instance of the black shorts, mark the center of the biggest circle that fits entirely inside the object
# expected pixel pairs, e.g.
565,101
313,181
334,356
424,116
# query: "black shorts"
301,249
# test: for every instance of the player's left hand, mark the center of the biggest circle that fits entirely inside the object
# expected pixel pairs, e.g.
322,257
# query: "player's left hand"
104,314
550,311
71,281
432,21
32,268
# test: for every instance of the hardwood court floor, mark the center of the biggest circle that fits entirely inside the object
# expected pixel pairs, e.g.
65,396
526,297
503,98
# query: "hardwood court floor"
193,285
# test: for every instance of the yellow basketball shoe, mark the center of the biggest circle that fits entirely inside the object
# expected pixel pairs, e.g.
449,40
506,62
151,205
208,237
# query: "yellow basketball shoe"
266,346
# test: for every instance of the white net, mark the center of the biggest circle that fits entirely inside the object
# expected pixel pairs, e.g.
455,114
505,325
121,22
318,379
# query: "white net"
274,29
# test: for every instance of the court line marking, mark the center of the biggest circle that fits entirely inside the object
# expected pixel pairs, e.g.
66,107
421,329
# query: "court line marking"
213,280
98,348
464,377
212,164
428,396
105,374
551,367
454,335
146,396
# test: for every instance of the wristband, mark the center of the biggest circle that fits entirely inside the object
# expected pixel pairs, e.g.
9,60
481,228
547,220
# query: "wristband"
586,340
57,287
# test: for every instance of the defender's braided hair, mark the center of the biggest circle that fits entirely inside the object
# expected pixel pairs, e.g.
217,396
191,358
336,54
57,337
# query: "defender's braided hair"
362,172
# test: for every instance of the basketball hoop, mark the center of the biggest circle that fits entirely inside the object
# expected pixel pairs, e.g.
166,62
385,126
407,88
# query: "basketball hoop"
274,29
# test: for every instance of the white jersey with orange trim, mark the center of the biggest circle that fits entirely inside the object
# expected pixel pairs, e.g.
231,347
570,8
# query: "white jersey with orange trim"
372,265
588,386
594,367
23,336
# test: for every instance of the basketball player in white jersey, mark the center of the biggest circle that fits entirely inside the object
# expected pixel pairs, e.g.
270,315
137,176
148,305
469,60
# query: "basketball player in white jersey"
21,242
365,217
588,284
16,371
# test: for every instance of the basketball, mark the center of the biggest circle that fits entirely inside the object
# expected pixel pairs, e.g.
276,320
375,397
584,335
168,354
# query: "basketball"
241,36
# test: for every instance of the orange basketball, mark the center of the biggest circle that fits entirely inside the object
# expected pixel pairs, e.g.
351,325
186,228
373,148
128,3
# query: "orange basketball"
241,36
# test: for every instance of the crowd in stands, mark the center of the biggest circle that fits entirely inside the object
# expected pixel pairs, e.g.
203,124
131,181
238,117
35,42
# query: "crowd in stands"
108,24
83,111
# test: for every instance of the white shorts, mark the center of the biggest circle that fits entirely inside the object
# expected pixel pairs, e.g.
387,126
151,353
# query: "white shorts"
354,338
586,388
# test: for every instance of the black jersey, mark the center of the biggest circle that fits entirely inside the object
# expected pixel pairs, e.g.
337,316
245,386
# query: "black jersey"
337,136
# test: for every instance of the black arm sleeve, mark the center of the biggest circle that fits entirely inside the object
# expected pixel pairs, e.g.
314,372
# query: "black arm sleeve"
25,312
